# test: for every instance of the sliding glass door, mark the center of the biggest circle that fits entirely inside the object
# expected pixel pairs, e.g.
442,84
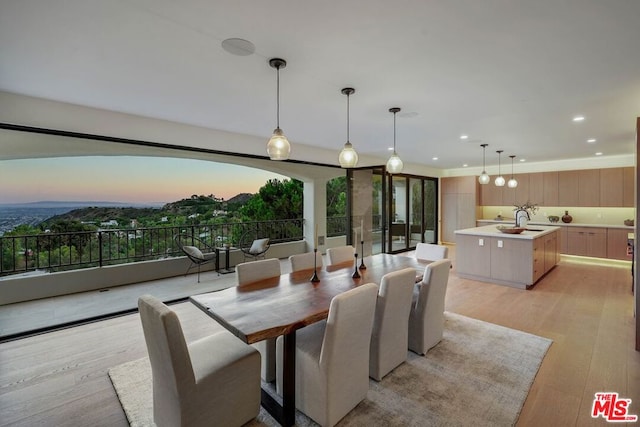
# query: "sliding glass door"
413,211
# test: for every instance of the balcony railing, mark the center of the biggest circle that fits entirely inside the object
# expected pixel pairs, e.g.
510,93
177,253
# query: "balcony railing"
72,250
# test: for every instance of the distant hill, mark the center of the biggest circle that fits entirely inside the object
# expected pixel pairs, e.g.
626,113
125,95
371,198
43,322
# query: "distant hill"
75,204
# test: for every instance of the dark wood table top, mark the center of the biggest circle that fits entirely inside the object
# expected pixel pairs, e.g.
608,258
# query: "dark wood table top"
280,305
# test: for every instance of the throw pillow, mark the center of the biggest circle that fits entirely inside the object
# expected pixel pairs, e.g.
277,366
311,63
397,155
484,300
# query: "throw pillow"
259,246
192,251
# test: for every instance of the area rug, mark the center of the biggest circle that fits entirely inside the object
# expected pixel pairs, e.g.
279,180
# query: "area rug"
479,374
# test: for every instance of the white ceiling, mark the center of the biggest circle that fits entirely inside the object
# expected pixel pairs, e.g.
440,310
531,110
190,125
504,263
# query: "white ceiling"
510,73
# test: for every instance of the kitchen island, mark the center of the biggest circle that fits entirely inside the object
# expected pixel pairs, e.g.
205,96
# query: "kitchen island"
518,260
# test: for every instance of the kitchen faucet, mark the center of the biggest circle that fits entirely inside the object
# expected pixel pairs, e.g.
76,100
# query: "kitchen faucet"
522,216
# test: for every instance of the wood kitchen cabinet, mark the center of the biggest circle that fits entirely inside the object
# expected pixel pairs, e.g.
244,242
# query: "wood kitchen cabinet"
550,186
617,243
490,194
459,197
589,187
587,241
568,183
611,187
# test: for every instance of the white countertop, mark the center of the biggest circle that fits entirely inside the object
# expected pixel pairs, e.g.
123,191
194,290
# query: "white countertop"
492,231
557,224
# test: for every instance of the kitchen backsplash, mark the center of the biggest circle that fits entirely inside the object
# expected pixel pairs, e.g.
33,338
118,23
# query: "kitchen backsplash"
581,215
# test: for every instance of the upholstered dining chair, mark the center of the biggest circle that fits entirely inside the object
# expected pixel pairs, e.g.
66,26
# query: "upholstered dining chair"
431,252
305,261
214,380
340,254
193,248
390,336
426,320
250,272
332,357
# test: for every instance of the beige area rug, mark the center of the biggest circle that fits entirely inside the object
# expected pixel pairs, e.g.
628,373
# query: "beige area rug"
478,375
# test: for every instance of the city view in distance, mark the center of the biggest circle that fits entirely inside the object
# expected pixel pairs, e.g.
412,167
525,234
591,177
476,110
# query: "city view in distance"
13,215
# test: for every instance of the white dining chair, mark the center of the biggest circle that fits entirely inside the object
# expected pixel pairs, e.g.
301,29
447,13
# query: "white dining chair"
251,272
340,254
390,336
305,261
332,357
214,380
431,252
426,319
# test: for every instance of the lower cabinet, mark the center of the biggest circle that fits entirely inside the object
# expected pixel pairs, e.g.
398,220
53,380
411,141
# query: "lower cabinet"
587,241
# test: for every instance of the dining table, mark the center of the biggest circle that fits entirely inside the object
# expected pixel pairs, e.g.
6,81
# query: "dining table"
281,305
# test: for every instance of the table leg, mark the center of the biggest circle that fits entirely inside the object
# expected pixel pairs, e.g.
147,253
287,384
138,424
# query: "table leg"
289,380
285,414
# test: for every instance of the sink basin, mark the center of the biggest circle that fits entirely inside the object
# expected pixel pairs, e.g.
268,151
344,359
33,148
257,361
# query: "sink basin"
534,229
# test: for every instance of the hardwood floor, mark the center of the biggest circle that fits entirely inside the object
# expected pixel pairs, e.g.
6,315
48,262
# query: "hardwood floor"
60,378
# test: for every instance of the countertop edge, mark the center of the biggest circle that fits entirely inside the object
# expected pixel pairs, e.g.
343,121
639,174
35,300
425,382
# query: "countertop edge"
492,231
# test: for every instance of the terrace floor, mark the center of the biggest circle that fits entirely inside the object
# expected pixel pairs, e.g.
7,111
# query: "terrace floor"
43,315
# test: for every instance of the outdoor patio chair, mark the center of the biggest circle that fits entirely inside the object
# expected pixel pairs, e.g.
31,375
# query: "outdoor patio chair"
193,248
253,247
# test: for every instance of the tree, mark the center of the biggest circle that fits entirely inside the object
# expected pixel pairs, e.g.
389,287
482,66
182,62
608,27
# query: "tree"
337,196
275,200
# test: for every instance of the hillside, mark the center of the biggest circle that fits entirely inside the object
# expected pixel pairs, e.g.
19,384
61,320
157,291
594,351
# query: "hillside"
195,205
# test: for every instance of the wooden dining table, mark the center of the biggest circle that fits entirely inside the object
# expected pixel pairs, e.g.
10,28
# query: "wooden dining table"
281,305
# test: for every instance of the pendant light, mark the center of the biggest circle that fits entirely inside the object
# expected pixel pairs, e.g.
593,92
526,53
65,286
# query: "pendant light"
484,178
394,164
278,146
348,157
512,183
499,179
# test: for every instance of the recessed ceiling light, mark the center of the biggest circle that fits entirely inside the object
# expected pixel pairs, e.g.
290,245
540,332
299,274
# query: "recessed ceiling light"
578,118
523,160
390,149
465,165
434,158
464,136
599,153
591,140
239,47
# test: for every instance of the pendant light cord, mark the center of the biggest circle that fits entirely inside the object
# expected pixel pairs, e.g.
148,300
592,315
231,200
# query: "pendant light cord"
278,97
347,117
394,132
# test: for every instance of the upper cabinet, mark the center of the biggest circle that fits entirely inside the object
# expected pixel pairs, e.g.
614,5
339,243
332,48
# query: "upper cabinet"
568,185
612,187
588,188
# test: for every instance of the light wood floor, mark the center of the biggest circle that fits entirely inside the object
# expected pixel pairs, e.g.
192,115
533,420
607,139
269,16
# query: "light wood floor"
60,378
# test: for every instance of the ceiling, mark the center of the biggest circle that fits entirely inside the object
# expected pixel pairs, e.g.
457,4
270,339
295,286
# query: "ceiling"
511,74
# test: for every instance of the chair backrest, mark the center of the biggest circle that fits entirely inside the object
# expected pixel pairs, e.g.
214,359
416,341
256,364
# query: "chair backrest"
305,261
168,353
394,305
431,252
432,290
249,272
345,346
340,254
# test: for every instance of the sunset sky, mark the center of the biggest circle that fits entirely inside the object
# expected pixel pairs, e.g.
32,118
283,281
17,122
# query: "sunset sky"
124,179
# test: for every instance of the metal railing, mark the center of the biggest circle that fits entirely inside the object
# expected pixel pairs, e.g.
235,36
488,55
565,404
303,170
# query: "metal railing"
72,250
